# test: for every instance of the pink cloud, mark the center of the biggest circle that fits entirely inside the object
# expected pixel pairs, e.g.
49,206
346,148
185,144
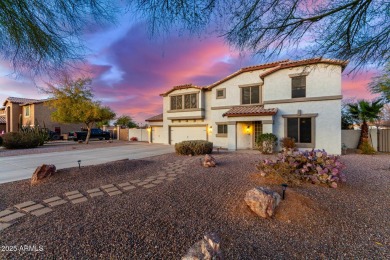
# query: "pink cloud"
356,86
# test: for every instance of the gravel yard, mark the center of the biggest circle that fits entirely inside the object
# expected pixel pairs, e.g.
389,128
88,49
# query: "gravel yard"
163,221
60,146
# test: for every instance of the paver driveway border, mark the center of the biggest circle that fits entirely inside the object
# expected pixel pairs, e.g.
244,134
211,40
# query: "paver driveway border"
10,215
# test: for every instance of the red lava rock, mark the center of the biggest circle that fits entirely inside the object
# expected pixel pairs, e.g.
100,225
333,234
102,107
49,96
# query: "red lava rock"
42,172
209,161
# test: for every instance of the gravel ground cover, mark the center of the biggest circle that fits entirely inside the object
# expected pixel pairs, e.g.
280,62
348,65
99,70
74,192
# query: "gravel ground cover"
163,221
60,146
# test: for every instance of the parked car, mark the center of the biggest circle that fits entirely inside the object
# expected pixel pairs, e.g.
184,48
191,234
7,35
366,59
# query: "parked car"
95,133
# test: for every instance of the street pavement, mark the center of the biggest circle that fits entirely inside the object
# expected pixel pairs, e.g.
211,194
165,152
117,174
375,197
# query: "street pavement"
13,168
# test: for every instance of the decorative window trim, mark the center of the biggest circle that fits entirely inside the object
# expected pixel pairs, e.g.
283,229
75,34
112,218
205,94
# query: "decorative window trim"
224,93
221,135
298,74
313,128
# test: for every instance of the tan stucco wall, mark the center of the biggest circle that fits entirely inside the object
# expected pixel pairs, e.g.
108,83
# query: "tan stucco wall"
13,117
41,114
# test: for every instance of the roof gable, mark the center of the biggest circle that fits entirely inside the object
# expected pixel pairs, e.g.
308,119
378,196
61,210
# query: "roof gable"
312,61
246,69
185,86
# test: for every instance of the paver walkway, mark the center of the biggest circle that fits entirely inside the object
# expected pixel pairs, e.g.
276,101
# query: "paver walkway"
168,173
22,167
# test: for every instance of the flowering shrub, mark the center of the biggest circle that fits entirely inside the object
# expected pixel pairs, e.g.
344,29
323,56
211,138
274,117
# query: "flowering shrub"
134,139
266,143
315,166
288,143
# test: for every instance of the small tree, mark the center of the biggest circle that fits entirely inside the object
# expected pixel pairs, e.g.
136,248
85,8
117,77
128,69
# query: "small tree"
125,121
72,101
362,112
381,84
102,123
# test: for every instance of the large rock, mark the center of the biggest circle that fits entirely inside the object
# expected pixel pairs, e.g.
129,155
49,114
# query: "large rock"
209,161
42,172
262,201
206,249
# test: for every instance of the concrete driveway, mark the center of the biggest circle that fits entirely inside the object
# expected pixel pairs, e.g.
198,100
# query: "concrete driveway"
13,168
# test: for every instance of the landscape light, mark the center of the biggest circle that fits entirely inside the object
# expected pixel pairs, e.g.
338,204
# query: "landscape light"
284,187
79,161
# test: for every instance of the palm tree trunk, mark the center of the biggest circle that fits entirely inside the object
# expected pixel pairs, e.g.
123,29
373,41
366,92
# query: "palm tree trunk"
363,133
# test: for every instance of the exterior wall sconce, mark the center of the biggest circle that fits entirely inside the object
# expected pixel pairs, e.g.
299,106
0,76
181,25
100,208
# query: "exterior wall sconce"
149,129
248,130
210,129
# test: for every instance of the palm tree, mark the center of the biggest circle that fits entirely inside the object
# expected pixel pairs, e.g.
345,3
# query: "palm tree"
364,111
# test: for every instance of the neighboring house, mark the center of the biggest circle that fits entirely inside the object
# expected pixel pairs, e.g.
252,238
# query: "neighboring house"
33,111
298,99
2,120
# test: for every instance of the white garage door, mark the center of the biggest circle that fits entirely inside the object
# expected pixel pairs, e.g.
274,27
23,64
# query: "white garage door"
157,135
185,133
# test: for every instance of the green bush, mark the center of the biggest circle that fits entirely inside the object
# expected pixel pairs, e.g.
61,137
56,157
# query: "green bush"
194,147
20,140
266,143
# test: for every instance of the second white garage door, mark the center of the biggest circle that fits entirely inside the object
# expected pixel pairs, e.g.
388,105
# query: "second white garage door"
186,133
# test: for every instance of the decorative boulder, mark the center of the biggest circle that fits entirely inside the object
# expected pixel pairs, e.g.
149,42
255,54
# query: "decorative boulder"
206,249
209,161
262,201
42,172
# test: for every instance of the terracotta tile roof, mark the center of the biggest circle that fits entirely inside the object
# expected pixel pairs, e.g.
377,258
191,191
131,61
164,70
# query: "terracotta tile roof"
246,69
257,110
2,120
35,101
291,64
18,100
184,86
156,118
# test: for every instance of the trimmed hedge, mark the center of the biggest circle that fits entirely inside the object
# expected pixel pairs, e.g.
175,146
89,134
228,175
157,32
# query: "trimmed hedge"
20,140
194,147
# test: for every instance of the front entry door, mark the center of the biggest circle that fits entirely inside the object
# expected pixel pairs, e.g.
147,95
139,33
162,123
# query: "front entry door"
258,130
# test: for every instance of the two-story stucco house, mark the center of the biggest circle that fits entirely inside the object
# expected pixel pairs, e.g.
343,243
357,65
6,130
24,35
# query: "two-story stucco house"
298,99
33,112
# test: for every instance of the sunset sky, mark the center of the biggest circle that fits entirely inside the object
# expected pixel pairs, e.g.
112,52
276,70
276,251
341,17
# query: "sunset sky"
130,68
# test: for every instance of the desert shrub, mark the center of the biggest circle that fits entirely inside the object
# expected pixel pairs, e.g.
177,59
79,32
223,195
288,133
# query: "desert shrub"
134,138
266,142
42,134
287,143
314,166
194,147
1,141
366,148
20,140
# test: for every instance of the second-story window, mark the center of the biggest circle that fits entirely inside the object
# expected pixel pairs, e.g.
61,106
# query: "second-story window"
190,101
176,102
27,111
250,95
298,87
